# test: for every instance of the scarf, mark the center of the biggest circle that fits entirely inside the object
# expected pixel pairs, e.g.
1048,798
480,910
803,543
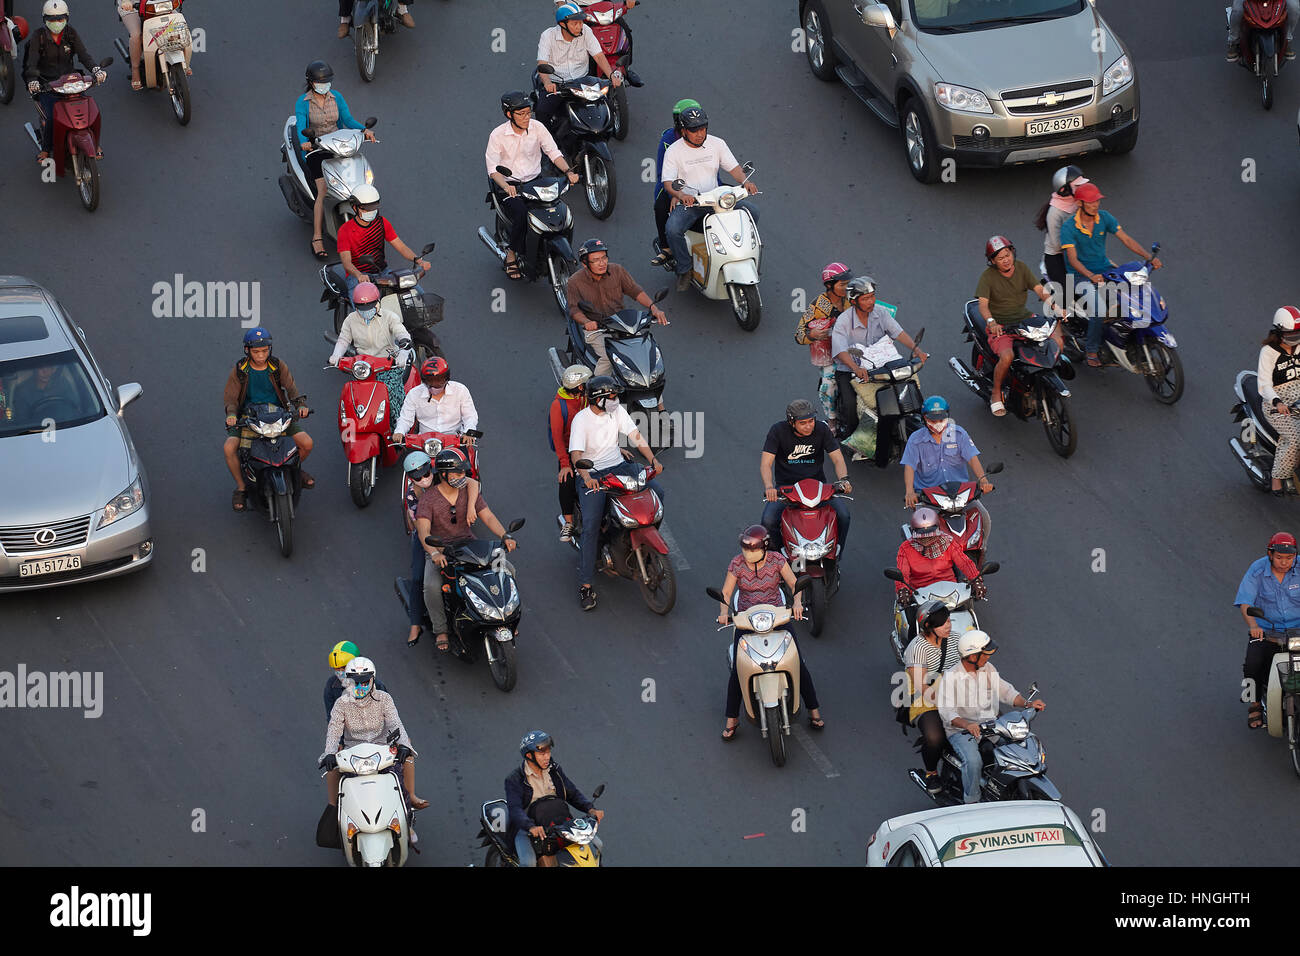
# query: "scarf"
933,547
1066,204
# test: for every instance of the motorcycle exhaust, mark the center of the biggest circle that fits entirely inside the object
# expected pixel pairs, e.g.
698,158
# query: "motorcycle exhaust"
966,375
121,48
491,244
1246,461
557,367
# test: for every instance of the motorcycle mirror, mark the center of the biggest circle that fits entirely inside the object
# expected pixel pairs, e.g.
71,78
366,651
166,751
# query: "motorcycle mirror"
715,594
595,794
106,63
514,526
546,69
993,469
747,169
1255,612
1155,248
473,433
427,249
991,568
583,463
504,171
894,575
919,335
371,121
660,295
1033,691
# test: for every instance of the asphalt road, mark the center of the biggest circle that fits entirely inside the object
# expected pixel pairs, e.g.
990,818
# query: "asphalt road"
213,678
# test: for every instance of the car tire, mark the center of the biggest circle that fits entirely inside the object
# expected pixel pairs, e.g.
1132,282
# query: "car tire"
1124,144
817,41
919,142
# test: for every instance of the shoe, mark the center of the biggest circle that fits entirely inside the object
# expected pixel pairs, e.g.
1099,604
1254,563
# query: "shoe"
408,21
858,456
1290,54
587,597
932,784
1233,55
343,30
566,534
683,282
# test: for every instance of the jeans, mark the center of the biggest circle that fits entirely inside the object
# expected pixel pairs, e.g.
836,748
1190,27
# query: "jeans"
1088,294
771,520
415,596
45,102
1235,18
807,693
662,202
972,762
593,512
687,217
524,851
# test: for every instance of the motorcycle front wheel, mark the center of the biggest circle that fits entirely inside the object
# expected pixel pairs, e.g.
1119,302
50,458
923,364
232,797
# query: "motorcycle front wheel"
360,482
661,594
1166,378
617,106
284,522
365,40
1054,409
8,80
818,602
601,185
775,738
745,306
180,93
559,282
504,671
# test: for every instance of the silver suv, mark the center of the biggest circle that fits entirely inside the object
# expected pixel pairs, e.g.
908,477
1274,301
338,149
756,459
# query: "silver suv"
985,82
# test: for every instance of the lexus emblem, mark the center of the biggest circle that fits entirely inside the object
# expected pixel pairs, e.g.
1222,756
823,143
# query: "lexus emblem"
1049,99
45,536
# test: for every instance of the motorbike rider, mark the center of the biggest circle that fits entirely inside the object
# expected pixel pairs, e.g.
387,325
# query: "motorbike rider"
814,331
570,398
929,556
364,235
128,11
663,199
1060,206
375,331
363,714
260,379
603,284
345,16
1083,240
436,517
864,325
437,404
594,435
796,449
518,145
566,47
1236,15
942,451
538,776
418,468
759,573
926,657
1272,584
1000,293
340,654
969,693
49,55
696,158
1278,380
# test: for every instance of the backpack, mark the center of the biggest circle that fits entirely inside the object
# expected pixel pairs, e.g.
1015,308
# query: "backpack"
564,417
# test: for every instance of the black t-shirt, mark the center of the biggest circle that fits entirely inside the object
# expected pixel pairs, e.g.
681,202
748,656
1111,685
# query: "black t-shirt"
798,457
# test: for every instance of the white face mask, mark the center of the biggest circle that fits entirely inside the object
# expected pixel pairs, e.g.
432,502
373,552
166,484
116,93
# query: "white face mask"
936,427
321,88
367,313
340,673
610,404
367,215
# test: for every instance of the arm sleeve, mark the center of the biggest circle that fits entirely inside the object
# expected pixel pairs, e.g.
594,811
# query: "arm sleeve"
840,333
964,564
659,164
230,395
468,413
1069,234
669,166
1007,692
83,54
630,288
983,288
395,327
572,794
556,422
334,731
904,565
290,386
801,330
548,143
726,159
771,443
346,119
389,232
945,699
1264,371
31,59
891,326
300,114
543,48
407,416
515,803
625,424
393,722
578,433
343,341
1248,590
572,294
492,154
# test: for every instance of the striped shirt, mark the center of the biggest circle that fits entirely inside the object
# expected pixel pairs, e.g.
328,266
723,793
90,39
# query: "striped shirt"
368,240
921,653
762,586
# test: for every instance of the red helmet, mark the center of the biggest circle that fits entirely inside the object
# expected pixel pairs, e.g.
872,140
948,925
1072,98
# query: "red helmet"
835,272
995,245
21,24
1286,319
1282,543
754,537
365,293
434,369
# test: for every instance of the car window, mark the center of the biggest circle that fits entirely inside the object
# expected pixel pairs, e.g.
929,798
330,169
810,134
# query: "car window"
961,15
46,390
907,855
22,328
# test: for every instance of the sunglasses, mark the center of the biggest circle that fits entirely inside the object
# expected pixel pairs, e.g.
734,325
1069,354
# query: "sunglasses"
422,474
453,514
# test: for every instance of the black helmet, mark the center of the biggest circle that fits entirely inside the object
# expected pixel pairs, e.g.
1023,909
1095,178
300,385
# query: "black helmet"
450,460
931,614
515,100
318,71
590,246
799,410
532,740
601,387
694,118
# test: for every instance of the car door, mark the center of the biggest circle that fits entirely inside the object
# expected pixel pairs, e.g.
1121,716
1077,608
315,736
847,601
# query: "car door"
853,35
879,60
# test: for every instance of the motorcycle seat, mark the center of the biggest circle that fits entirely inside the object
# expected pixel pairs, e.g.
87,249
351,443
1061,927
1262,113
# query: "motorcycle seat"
1250,386
977,320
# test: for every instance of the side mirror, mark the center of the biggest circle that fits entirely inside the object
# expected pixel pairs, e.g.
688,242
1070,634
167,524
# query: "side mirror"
583,463
747,169
428,249
919,335
503,171
879,15
894,575
371,121
128,393
993,469
660,295
329,337
514,526
105,63
715,594
595,794
473,433
546,69
1254,611
991,568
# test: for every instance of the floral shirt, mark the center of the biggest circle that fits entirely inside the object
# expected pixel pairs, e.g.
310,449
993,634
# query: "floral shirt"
819,317
762,586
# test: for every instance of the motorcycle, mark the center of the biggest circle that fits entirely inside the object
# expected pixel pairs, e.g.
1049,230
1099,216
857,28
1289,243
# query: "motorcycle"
344,170
954,501
605,17
482,603
899,396
76,132
369,19
1015,763
1263,43
375,820
1256,447
13,31
166,53
956,595
548,244
732,267
1033,384
420,310
808,534
1138,342
630,545
272,469
582,131
1282,706
364,418
571,839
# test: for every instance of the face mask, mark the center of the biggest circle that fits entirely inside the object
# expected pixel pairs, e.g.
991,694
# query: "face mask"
610,404
458,482
321,88
367,215
936,427
366,313
359,691
437,389
1291,338
340,674
56,26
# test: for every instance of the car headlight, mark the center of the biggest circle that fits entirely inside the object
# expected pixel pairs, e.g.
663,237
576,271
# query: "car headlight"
129,500
1117,76
961,99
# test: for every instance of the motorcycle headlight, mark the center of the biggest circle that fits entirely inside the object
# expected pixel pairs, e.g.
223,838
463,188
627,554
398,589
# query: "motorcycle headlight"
406,282
1135,279
716,241
961,99
512,605
1017,729
487,610
1293,643
1038,333
813,551
432,446
656,364
547,193
361,371
727,201
1118,76
961,499
365,765
123,503
945,503
762,621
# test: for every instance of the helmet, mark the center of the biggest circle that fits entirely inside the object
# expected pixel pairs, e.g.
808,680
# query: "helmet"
1063,179
860,286
1286,319
534,739
835,272
590,246
995,245
515,100
361,671
680,107
416,462
54,9
365,293
800,410
256,337
21,24
318,71
925,523
1282,543
754,537
341,653
601,387
693,117
935,408
450,460
366,196
974,641
931,615
433,369
568,11
575,376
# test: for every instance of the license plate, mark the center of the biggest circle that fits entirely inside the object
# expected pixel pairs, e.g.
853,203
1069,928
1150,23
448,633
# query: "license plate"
1057,124
61,562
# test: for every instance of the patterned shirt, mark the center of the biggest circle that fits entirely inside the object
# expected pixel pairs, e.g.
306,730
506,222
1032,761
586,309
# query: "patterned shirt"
368,240
366,721
762,586
819,317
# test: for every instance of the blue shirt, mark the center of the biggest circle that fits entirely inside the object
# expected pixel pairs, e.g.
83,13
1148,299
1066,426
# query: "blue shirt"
669,137
1089,245
1280,601
346,119
935,463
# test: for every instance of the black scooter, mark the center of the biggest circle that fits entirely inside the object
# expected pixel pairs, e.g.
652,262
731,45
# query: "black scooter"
548,243
582,130
272,469
420,310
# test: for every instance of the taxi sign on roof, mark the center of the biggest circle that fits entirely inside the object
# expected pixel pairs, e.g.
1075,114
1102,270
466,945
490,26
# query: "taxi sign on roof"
990,840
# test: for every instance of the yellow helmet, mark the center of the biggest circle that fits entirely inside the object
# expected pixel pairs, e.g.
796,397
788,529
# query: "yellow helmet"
341,653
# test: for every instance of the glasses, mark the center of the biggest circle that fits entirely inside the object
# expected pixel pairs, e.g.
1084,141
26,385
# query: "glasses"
56,19
453,514
422,474
362,681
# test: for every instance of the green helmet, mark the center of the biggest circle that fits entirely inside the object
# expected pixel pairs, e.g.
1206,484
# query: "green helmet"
680,106
341,653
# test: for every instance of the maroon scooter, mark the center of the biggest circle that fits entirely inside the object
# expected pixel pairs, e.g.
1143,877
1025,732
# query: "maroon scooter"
76,132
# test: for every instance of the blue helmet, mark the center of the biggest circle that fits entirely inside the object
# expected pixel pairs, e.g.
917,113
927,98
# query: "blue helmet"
416,461
256,337
532,740
935,407
568,11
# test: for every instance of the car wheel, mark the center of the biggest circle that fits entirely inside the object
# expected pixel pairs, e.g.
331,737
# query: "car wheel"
919,143
817,41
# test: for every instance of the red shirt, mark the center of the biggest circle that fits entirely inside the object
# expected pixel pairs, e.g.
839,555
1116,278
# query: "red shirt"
762,586
561,423
920,571
368,240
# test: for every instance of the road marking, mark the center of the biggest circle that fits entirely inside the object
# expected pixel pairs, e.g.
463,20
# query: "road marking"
679,562
753,836
819,758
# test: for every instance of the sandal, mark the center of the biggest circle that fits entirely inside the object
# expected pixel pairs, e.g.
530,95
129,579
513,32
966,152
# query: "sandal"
513,270
319,253
442,643
1093,360
136,84
1255,716
729,733
307,480
662,258
816,723
998,409
239,500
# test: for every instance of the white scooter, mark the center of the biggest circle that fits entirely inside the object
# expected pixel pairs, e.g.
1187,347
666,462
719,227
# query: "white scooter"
727,253
1282,703
344,171
166,55
374,822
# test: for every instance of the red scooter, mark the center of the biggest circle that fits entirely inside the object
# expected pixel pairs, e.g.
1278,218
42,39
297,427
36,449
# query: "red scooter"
630,544
363,422
76,132
954,500
12,33
1262,44
809,535
605,17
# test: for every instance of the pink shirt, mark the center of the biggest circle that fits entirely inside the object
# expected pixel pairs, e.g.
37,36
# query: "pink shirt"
521,153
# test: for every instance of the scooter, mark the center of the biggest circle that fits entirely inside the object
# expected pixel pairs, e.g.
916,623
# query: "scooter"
726,251
166,54
570,839
364,417
272,469
605,17
343,172
956,595
548,249
954,501
630,545
1282,706
1256,447
1015,763
375,819
1263,43
13,31
582,131
809,530
369,18
76,132
898,397
420,310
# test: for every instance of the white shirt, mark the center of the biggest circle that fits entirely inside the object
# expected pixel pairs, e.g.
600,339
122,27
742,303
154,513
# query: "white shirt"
698,166
971,695
568,56
377,337
521,153
454,413
596,436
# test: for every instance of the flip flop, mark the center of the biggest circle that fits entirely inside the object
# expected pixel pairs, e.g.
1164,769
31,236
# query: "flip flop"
239,500
307,480
137,84
816,723
998,409
1255,716
1093,360
319,253
442,643
729,733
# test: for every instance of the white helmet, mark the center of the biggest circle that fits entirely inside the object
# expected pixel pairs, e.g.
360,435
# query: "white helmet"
361,670
1286,319
54,8
574,376
364,195
972,642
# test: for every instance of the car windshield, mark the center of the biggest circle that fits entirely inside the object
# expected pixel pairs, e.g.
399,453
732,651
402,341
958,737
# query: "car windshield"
46,392
961,15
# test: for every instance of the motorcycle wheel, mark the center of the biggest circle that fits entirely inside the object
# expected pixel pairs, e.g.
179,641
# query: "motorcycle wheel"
561,273
87,172
8,80
601,187
1266,91
493,858
745,306
1060,431
180,90
284,523
1167,387
663,595
775,738
360,485
340,314
504,671
618,106
818,602
365,41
